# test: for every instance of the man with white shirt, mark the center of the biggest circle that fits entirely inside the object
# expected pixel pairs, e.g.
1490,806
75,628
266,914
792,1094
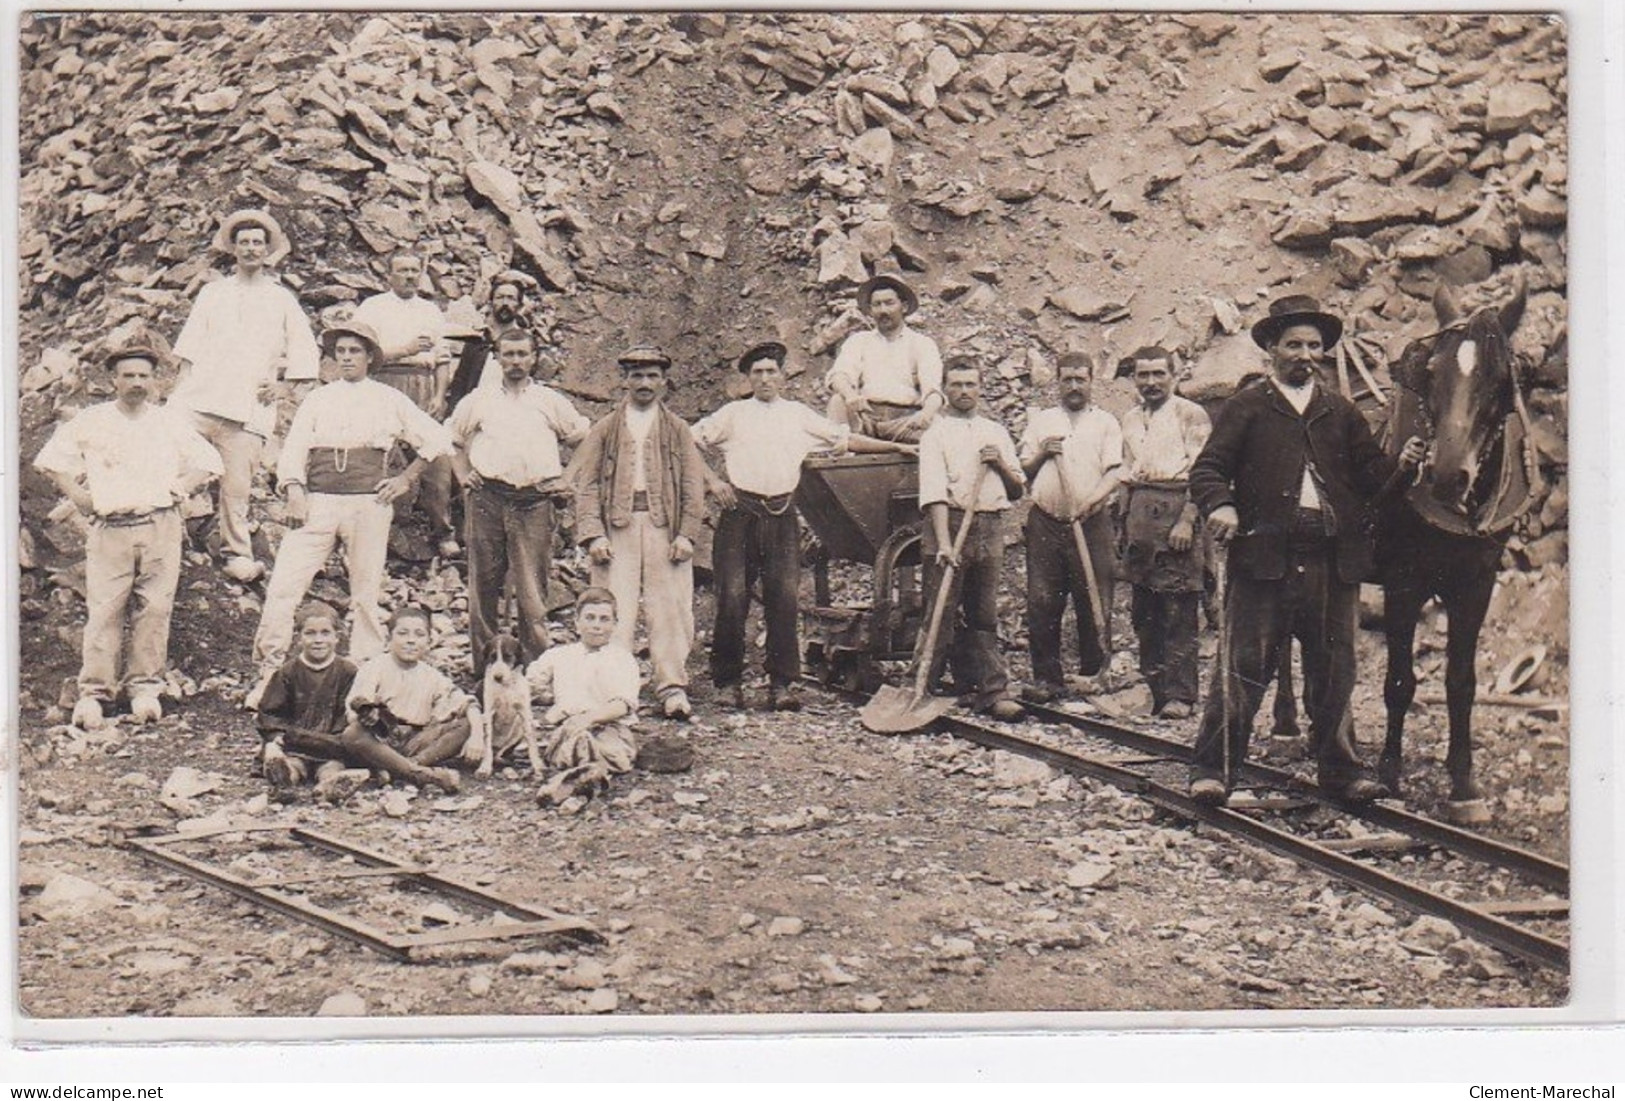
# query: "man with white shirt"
640,504
334,469
886,381
763,440
477,364
1163,558
242,331
412,333
1284,479
952,452
1073,456
508,460
127,464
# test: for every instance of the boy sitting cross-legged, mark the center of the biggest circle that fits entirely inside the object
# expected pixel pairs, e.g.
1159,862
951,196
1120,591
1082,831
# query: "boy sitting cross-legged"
592,689
401,701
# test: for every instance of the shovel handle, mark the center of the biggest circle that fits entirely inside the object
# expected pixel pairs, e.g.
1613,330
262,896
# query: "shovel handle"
922,674
1096,607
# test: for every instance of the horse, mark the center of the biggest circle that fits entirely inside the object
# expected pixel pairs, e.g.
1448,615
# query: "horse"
1443,536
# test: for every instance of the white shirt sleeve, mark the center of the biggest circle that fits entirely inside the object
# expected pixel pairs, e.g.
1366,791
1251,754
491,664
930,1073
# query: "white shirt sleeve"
64,452
428,437
1111,443
848,366
933,469
823,431
304,358
1030,436
929,367
197,454
714,429
568,423
290,464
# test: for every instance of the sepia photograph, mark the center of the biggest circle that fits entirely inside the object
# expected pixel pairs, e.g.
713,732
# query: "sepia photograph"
876,520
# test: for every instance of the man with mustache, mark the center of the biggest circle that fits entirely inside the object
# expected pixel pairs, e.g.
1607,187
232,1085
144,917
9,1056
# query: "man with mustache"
638,513
477,364
887,381
1283,481
242,332
127,464
508,461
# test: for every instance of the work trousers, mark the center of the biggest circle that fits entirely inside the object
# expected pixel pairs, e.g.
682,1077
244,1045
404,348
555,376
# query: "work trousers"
1165,624
754,545
969,639
239,454
1055,572
132,569
1312,604
641,571
432,495
509,535
361,525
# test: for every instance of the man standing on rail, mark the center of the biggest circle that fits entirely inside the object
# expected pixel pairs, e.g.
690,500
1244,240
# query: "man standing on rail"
411,330
887,381
1162,550
1073,456
242,332
763,440
952,451
1284,480
638,513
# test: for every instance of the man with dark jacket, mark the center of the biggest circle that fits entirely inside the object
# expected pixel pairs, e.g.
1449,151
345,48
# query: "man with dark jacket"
1284,480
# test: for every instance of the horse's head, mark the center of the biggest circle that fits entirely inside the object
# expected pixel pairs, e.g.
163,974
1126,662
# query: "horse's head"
1464,376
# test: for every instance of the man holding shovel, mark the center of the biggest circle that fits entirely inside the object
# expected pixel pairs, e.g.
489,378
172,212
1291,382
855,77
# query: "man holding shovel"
957,453
1073,455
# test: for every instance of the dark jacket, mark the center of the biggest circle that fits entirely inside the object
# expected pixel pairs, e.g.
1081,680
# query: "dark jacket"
676,476
1254,461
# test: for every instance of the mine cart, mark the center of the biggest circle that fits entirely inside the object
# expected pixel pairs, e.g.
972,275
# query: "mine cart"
862,509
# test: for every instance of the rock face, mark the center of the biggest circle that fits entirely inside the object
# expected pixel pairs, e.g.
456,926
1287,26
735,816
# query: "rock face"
704,182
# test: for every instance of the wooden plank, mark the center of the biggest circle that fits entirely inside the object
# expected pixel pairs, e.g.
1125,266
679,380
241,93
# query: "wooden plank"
1366,376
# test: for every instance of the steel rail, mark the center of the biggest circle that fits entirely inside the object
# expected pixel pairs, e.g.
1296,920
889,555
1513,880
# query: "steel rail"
1543,870
1489,928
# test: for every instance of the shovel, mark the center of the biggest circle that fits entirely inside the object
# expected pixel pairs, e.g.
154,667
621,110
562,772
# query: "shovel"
1097,607
895,710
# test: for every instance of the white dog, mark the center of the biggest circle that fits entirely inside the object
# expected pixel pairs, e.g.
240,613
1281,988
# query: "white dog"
507,716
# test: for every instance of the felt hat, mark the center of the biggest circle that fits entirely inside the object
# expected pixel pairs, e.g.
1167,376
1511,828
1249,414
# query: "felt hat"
277,245
1296,309
138,348
768,349
1125,366
911,301
361,329
644,355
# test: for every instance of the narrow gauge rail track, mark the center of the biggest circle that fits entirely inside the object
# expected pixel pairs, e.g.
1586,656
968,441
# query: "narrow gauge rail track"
1477,920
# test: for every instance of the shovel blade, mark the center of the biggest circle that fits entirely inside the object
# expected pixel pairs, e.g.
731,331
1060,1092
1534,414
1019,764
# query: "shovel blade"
896,710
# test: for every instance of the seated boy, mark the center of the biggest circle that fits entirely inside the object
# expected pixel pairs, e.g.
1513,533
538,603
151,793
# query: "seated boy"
411,709
303,719
592,689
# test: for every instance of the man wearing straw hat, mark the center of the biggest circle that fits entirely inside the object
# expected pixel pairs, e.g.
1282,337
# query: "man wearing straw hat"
127,464
1283,481
242,332
334,468
887,381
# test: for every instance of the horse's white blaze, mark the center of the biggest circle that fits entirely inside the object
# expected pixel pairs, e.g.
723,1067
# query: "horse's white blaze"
1466,356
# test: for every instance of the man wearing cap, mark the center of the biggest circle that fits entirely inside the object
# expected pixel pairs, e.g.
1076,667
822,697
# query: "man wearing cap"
763,440
641,500
1283,480
127,464
242,331
1162,555
953,452
334,469
887,381
508,462
477,364
411,330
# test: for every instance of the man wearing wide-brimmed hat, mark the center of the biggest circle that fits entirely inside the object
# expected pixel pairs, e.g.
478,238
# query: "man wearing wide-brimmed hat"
508,459
764,439
334,468
887,381
638,512
1283,481
127,464
242,333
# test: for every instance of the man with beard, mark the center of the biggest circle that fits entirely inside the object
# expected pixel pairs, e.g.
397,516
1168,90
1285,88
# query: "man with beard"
1162,557
476,365
508,460
411,330
1073,458
127,464
242,331
1283,480
887,381
638,513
